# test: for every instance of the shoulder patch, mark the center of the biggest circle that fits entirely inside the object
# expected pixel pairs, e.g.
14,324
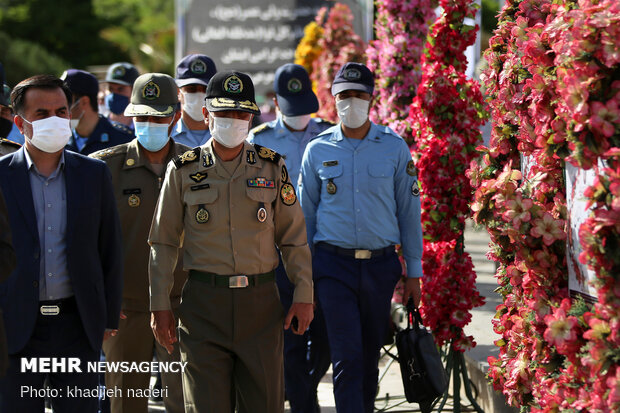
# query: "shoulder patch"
267,154
261,128
10,143
188,157
109,152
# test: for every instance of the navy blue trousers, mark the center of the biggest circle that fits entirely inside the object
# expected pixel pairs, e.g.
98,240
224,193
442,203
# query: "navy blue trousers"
54,336
355,296
306,357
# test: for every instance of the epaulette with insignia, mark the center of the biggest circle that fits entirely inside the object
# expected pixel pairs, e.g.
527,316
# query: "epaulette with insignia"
10,143
122,127
106,153
187,157
261,128
267,154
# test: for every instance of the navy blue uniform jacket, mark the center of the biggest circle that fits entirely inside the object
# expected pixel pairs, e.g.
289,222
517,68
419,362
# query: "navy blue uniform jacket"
94,248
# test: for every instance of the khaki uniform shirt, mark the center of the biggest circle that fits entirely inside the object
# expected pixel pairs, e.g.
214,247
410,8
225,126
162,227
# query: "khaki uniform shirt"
7,147
136,189
217,218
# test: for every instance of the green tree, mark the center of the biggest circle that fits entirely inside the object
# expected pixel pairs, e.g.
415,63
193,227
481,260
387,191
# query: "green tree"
143,29
67,28
22,59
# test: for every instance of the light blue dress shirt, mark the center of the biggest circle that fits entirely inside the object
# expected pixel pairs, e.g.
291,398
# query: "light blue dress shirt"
192,138
376,203
50,206
291,145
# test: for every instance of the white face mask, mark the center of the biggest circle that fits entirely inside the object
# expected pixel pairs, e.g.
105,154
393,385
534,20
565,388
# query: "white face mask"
50,134
297,122
353,112
193,104
228,131
74,122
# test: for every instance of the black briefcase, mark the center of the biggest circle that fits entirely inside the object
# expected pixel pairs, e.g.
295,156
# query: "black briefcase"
423,373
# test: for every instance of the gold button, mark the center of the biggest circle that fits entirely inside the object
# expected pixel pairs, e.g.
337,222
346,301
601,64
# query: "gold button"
130,162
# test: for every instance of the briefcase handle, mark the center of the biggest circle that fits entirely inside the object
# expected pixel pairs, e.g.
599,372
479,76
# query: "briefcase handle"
413,316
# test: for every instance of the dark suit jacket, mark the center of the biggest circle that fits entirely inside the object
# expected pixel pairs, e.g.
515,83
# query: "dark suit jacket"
7,264
94,248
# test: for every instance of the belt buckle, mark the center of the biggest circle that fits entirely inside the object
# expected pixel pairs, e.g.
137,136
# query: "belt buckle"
50,310
363,254
238,281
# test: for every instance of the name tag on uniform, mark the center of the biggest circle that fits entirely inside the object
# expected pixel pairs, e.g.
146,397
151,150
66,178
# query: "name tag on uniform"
131,191
261,183
198,187
330,163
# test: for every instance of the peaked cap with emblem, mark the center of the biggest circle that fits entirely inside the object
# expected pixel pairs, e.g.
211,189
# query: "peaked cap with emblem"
231,91
153,94
353,76
195,69
294,91
122,73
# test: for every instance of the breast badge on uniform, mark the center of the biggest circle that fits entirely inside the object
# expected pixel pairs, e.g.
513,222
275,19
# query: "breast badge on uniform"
284,174
411,170
198,176
330,163
202,215
133,201
415,189
251,157
261,183
287,194
261,214
331,187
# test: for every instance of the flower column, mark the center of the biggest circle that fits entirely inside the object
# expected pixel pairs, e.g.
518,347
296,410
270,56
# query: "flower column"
446,116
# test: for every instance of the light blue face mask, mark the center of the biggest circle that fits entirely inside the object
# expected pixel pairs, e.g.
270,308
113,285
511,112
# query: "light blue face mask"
152,136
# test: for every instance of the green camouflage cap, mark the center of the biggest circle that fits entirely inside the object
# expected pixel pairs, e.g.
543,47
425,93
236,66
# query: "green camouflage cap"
153,94
5,95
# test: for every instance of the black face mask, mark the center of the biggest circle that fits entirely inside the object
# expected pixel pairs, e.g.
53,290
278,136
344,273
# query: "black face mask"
5,127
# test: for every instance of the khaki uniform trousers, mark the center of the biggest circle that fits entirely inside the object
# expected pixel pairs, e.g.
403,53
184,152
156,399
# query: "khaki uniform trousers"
135,342
232,339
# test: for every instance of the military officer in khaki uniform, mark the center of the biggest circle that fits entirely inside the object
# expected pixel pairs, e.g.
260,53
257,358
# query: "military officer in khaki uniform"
229,203
137,169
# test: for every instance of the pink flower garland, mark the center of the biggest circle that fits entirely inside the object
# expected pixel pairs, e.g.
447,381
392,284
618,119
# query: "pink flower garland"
401,27
553,83
446,115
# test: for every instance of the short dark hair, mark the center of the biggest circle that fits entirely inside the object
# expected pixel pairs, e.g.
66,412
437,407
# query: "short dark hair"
92,100
18,95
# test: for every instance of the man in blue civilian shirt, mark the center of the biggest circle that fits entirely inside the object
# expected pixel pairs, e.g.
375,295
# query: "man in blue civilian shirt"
360,197
64,297
193,75
288,135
